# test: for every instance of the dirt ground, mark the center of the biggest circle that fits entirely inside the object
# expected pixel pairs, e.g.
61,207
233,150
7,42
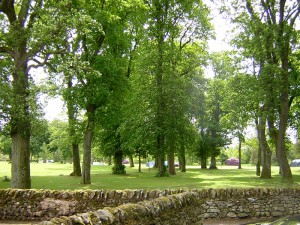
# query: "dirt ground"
231,221
205,222
10,222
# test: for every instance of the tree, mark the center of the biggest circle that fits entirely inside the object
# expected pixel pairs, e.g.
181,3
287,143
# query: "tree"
40,135
214,130
270,29
5,145
59,138
172,27
27,29
100,42
239,105
74,127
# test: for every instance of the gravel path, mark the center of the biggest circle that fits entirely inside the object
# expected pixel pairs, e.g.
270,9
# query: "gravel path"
205,222
231,221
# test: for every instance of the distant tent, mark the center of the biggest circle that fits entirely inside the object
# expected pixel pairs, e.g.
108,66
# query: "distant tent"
150,164
232,162
295,162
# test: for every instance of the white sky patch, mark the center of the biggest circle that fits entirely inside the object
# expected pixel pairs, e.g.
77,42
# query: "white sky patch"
55,109
222,27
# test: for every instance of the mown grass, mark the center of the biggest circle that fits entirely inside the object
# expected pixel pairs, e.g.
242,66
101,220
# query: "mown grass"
56,176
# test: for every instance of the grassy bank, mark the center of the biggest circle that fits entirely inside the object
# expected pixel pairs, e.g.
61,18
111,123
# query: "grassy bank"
56,176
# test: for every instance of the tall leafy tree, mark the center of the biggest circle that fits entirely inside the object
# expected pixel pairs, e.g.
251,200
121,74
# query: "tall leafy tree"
272,36
240,107
100,44
172,26
213,129
40,135
59,138
28,28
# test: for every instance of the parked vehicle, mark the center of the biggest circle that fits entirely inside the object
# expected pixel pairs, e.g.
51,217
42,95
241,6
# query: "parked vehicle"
295,162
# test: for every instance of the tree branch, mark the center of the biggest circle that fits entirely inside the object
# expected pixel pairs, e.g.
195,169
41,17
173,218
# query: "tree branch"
271,14
293,19
45,62
6,50
34,15
23,12
41,64
182,45
7,7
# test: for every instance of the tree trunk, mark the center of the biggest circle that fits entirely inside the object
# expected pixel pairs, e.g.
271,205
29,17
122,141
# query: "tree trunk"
171,161
87,145
280,151
118,158
72,131
131,161
285,169
258,164
20,123
216,119
20,163
76,161
283,41
182,161
213,161
161,166
159,36
240,154
109,160
140,164
264,146
203,163
267,163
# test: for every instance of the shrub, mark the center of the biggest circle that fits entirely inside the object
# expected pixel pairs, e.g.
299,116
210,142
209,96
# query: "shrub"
119,169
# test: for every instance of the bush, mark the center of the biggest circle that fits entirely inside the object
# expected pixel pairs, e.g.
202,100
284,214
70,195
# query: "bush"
119,169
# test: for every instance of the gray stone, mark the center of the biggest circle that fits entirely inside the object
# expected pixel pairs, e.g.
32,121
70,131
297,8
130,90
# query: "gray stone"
104,215
277,214
231,215
213,210
243,215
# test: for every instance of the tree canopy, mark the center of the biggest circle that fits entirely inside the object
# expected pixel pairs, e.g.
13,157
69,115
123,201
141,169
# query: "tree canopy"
134,79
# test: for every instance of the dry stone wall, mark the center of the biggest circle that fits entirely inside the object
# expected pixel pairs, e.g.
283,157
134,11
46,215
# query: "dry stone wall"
147,207
46,204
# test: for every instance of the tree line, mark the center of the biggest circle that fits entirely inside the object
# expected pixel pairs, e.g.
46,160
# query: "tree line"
132,75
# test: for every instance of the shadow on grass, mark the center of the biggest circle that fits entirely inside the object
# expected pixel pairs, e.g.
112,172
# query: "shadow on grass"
102,178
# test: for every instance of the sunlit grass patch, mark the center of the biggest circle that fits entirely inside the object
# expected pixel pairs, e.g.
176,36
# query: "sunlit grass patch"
56,176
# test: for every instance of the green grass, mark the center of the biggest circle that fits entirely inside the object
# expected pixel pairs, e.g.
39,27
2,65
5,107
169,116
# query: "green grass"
56,176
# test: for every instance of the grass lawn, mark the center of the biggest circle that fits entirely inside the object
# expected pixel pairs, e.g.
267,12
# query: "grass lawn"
56,176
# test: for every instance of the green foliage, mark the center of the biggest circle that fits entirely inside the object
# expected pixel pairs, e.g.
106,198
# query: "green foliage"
250,151
140,66
45,153
40,135
5,144
165,86
59,138
223,156
294,151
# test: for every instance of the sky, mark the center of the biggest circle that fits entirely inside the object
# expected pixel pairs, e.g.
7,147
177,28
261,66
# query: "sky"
55,109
